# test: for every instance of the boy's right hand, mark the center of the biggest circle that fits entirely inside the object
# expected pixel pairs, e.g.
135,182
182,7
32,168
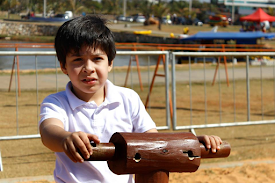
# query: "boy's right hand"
79,142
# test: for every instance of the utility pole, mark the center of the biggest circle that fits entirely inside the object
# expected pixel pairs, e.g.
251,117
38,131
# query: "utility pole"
233,12
190,8
45,3
124,7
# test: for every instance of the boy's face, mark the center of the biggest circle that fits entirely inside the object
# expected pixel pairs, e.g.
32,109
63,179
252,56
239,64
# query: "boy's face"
88,71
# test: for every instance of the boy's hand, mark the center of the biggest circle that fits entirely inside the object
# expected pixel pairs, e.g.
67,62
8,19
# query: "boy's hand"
211,141
79,142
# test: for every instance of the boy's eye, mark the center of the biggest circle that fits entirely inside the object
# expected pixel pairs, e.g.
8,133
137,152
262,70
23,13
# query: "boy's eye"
78,59
98,58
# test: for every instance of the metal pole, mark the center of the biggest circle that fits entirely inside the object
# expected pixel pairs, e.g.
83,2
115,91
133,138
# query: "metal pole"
16,91
247,88
149,83
167,89
233,13
234,93
262,102
36,76
173,70
45,4
124,7
220,98
205,93
190,91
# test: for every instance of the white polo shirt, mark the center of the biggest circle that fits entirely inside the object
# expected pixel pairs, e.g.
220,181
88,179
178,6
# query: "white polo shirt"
122,111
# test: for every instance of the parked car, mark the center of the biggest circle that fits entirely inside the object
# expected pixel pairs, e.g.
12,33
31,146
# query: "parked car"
181,21
139,18
121,18
129,19
68,14
197,22
165,21
60,15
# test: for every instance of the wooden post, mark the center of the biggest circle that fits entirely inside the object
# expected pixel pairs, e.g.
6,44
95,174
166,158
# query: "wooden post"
151,156
18,73
138,69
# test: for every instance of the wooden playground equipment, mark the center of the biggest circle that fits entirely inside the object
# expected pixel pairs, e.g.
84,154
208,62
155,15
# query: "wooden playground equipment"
151,156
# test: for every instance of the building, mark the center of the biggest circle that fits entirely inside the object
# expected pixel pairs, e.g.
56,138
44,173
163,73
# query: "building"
238,8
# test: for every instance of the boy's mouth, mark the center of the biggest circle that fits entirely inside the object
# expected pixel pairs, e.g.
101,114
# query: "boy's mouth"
89,79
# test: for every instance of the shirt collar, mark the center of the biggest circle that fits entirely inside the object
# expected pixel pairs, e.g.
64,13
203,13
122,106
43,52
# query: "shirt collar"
110,96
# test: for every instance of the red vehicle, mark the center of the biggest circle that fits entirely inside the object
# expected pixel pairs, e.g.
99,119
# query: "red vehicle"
221,20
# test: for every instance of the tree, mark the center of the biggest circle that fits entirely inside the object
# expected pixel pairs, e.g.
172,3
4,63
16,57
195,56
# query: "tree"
159,10
10,5
76,6
112,7
93,6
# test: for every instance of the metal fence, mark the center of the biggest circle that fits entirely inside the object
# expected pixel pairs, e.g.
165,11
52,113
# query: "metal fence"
262,72
116,77
194,109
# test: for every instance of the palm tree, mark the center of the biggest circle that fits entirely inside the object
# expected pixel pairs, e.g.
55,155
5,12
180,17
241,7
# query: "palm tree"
111,7
159,10
76,6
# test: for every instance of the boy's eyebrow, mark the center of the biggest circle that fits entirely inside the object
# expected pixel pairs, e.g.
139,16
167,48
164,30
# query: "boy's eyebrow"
96,53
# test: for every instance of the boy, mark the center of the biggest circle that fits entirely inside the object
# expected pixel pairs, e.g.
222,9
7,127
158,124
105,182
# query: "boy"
91,108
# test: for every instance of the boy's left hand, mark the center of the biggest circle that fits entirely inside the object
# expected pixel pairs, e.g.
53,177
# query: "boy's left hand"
211,142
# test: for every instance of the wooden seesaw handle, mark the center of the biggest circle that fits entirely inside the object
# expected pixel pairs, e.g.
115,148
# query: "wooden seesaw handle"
222,153
106,151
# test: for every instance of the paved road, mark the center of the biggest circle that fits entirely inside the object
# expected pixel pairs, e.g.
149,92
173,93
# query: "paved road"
46,81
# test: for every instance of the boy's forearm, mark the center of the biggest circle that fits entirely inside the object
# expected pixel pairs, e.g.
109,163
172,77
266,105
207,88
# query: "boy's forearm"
52,137
153,130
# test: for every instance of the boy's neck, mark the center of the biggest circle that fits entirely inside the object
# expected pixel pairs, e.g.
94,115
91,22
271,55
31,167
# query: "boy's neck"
97,97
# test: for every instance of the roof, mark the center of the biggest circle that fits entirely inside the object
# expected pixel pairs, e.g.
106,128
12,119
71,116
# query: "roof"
229,35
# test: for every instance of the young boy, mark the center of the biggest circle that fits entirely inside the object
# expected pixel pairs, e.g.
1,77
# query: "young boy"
91,108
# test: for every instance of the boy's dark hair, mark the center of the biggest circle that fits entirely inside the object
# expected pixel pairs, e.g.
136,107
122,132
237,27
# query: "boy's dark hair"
90,30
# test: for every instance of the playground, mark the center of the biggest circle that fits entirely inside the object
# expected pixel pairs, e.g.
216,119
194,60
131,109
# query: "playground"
252,157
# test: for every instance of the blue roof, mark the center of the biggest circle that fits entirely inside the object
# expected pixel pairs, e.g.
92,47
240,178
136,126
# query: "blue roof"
229,35
51,19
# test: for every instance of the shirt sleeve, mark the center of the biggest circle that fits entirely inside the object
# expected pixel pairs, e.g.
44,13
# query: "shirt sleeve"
51,107
142,121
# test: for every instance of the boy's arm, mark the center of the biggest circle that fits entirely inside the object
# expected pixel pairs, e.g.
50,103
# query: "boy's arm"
151,130
57,139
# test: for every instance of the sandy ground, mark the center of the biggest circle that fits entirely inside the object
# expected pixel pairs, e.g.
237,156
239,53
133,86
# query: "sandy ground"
256,171
249,172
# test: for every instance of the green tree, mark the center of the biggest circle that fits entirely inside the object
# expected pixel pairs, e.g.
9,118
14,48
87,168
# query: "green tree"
159,10
76,6
113,7
92,6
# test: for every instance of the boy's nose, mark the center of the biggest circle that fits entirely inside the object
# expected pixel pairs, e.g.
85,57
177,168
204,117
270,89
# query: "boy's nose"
89,67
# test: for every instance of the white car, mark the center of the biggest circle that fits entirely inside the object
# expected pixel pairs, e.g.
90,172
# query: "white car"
165,21
139,18
129,19
68,14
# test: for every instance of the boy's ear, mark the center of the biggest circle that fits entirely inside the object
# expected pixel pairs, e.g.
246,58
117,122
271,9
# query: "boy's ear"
63,68
110,66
